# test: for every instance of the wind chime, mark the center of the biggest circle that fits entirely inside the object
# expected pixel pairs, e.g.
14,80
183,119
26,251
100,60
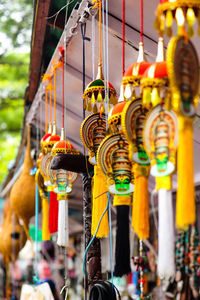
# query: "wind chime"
93,131
113,157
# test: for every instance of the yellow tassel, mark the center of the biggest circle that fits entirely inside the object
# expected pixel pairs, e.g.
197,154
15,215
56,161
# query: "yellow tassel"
190,31
185,202
190,16
121,200
99,203
169,18
169,31
99,97
93,98
95,109
155,97
169,23
89,106
140,212
45,220
146,99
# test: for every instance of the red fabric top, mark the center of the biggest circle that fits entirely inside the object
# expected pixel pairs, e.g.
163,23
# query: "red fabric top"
118,108
53,138
157,70
45,137
137,68
63,145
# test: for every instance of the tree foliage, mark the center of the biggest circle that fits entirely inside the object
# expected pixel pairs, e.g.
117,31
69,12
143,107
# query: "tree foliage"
15,33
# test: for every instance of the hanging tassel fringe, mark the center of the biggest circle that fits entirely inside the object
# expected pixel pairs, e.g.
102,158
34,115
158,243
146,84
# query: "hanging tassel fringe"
45,219
63,225
166,262
185,203
53,212
99,203
140,212
122,250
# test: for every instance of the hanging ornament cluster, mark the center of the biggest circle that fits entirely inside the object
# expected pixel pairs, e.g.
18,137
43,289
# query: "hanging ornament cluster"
184,13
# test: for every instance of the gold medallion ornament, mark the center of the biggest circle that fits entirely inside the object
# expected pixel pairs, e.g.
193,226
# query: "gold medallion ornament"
183,72
93,131
133,118
184,12
161,141
114,161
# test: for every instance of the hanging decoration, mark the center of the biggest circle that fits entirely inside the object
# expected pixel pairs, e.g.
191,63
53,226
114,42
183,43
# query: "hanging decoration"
161,141
113,158
93,131
184,13
95,92
183,69
22,195
62,180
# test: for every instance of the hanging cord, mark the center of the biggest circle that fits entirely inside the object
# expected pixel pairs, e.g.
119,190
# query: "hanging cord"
94,236
84,38
13,252
36,277
46,95
50,97
93,46
100,3
54,88
123,37
110,239
141,20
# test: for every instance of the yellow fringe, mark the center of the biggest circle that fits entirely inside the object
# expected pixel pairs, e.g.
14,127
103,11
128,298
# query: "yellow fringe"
185,201
99,203
121,200
45,220
140,212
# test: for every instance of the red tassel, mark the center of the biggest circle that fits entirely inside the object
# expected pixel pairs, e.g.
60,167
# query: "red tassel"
53,212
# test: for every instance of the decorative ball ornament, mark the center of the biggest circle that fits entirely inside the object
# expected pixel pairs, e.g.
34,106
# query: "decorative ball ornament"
94,94
63,179
184,13
161,141
133,75
183,71
133,118
93,131
154,82
114,160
